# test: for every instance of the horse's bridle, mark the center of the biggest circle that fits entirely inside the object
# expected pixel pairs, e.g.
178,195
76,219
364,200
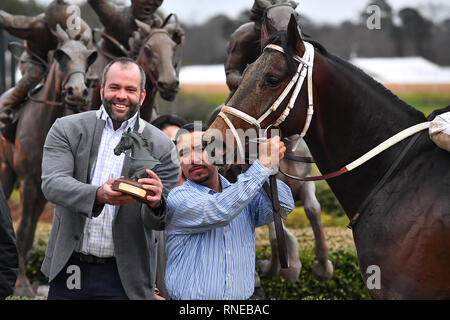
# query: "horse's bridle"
304,69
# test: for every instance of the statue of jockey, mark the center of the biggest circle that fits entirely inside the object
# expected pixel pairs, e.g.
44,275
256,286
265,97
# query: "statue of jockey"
119,22
39,40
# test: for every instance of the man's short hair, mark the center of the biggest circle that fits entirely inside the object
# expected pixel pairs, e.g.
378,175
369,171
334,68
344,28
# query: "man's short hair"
124,61
189,128
168,120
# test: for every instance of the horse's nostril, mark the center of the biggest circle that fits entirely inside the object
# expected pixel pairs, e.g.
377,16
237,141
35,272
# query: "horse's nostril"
85,93
70,91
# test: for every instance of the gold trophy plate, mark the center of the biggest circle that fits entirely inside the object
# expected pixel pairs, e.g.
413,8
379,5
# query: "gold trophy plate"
132,188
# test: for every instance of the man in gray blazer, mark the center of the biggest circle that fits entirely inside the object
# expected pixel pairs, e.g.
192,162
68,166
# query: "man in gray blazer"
102,244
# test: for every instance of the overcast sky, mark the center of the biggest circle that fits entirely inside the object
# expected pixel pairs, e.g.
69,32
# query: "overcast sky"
320,11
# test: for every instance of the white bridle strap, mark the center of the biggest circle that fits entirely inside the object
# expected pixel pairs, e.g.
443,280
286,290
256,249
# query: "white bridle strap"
304,70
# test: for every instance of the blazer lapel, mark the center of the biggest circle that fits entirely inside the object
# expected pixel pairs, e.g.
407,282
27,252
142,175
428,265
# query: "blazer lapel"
98,130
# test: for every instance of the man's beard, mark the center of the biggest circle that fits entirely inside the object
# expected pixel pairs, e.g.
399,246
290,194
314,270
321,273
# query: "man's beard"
132,109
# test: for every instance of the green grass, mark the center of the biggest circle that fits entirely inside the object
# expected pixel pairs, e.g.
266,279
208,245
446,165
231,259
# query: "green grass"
427,102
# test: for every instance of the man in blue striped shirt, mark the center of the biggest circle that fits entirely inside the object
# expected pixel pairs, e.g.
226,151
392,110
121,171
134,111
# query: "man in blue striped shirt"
211,223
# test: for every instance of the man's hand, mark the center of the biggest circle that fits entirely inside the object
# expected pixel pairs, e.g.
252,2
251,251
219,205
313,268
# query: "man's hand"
271,152
105,194
153,184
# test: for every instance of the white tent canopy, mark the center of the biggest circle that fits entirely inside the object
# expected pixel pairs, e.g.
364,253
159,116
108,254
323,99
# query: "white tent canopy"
402,70
405,70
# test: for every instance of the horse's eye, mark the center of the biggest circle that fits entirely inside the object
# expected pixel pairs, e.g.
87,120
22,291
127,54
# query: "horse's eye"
272,81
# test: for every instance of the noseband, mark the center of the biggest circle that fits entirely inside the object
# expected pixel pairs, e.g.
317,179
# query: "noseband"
304,69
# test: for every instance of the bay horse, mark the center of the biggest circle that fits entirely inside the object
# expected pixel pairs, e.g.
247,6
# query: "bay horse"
244,47
158,51
63,92
398,200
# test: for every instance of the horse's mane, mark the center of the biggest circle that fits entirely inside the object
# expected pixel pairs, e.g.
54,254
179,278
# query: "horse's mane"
280,38
144,141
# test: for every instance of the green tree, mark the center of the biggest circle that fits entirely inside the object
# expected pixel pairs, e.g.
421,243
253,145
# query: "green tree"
416,30
24,7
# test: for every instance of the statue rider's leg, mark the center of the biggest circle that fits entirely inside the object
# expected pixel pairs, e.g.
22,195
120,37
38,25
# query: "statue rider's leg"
10,102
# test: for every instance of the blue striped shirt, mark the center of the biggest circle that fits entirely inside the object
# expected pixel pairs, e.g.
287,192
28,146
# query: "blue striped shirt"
211,236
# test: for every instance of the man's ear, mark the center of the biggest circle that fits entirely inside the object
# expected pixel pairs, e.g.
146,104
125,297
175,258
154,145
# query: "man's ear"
101,91
143,94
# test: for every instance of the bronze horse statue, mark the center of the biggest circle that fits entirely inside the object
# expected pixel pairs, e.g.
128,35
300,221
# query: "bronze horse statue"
63,92
244,47
398,200
158,51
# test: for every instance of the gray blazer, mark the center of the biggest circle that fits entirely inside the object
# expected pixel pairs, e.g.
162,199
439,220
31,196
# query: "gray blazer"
70,152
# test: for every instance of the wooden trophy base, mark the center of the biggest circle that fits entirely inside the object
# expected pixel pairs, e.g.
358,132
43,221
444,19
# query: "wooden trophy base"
132,188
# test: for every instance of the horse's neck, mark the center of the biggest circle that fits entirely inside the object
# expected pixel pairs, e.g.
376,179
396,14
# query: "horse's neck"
50,93
352,116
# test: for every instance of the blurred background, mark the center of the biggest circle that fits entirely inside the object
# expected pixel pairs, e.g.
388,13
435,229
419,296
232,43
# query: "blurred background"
409,54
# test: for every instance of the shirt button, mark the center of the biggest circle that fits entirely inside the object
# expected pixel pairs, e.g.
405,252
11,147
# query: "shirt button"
77,237
228,251
228,275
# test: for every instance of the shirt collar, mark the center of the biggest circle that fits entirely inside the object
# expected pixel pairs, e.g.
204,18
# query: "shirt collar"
130,123
224,182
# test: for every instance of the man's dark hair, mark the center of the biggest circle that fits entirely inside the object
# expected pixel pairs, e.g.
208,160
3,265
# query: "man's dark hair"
188,128
124,61
168,120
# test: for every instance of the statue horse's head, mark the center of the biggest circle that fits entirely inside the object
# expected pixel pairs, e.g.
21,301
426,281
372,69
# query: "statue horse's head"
74,58
159,54
125,143
275,16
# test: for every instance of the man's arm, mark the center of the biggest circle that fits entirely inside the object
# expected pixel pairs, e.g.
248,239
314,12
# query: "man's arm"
155,215
58,184
27,28
261,206
106,11
192,211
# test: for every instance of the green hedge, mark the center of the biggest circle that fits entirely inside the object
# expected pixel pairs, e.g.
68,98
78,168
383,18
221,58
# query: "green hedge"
34,260
346,283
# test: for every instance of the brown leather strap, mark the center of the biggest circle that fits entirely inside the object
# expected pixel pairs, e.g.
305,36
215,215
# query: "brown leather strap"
278,214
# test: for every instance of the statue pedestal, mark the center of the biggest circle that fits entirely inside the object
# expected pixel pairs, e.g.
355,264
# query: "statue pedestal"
132,188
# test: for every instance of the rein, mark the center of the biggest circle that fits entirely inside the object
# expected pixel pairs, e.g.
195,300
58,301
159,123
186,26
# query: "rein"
56,103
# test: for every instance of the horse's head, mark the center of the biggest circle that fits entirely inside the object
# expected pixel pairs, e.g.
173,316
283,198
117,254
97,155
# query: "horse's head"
125,143
159,56
275,15
74,58
260,102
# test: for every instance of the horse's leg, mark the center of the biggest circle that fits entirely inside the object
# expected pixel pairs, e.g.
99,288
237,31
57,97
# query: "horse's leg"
295,266
271,267
322,268
33,202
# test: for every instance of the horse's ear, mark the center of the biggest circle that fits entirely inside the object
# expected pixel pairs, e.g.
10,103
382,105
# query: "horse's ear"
263,4
61,57
145,28
293,31
61,34
293,4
